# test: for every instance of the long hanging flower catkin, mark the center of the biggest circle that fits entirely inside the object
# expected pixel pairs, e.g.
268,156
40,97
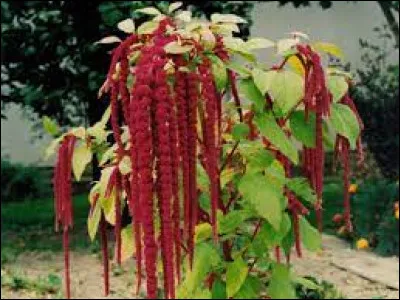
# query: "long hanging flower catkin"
63,199
210,139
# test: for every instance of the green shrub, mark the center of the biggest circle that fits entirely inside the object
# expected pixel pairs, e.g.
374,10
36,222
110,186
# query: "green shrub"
19,182
374,215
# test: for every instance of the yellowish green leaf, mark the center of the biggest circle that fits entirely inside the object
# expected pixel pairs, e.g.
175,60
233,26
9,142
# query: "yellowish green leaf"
81,157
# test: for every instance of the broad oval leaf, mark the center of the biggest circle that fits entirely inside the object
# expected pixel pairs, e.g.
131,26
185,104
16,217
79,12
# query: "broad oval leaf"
81,157
236,274
259,43
302,129
127,243
175,48
280,285
127,26
250,92
345,123
285,45
263,196
301,187
185,16
329,48
174,6
338,86
94,220
271,130
218,289
147,27
219,72
149,11
203,232
109,40
227,18
310,236
285,87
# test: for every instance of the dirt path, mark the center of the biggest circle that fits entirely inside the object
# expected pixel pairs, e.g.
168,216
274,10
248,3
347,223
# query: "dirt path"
87,278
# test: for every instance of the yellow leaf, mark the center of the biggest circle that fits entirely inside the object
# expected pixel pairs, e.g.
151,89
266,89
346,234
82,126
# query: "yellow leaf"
202,232
126,26
185,16
109,40
149,11
175,48
226,176
329,48
127,243
227,18
147,27
296,64
125,166
174,6
81,157
79,132
94,220
93,192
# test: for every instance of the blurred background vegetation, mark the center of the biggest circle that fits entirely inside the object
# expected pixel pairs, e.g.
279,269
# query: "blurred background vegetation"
49,66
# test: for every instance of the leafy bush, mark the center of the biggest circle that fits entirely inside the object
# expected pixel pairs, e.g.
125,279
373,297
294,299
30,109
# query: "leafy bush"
377,98
324,290
19,182
374,216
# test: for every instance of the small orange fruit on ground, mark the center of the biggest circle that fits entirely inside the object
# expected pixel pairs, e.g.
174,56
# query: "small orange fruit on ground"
362,244
337,218
353,188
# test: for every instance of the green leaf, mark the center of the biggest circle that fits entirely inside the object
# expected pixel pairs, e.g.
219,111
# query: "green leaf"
175,48
263,196
262,79
271,236
239,69
338,86
219,72
50,126
81,157
345,123
149,11
240,131
302,129
301,187
249,90
250,289
285,87
203,232
310,236
109,40
94,220
280,285
271,130
259,161
308,284
219,289
205,258
231,221
236,274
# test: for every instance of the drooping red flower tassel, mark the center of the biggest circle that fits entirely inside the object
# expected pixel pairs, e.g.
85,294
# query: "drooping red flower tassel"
63,199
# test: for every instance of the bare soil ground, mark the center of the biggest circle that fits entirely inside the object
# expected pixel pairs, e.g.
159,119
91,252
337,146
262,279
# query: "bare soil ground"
87,280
